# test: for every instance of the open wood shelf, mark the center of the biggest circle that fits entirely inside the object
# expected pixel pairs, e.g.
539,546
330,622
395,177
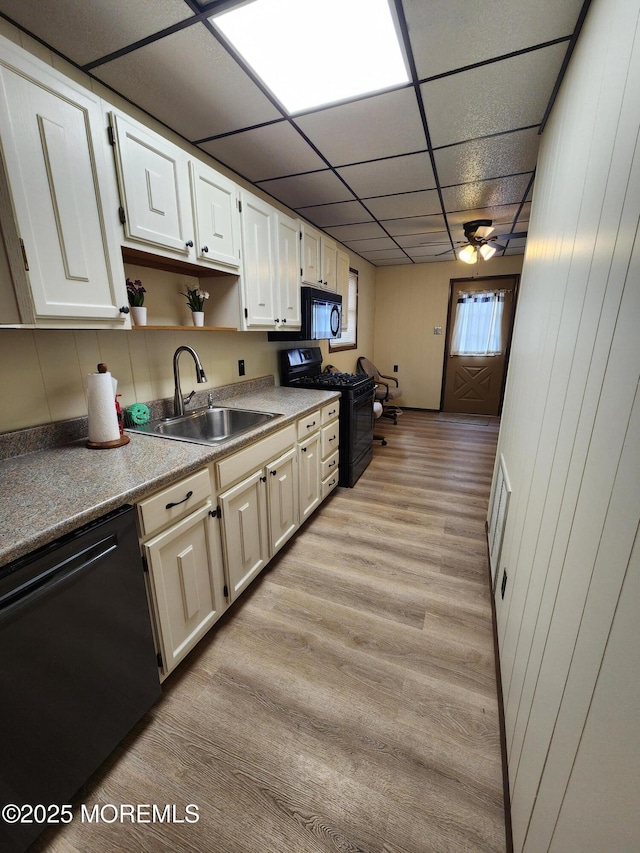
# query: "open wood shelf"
187,328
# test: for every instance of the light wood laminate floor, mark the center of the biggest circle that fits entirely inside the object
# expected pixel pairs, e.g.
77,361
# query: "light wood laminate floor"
347,702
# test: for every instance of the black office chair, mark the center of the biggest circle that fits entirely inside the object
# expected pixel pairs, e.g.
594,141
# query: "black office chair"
385,392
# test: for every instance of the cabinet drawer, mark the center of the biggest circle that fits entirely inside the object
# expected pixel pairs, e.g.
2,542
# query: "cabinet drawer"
242,463
174,502
308,424
329,466
329,412
329,484
330,439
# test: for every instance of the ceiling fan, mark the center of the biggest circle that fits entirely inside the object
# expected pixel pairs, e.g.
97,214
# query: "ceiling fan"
481,241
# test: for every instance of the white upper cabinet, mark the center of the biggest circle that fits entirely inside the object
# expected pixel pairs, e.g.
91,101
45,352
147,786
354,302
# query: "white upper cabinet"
319,259
271,257
288,270
217,219
173,205
64,254
154,188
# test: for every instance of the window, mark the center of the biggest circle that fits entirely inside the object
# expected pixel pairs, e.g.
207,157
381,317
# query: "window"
477,328
349,338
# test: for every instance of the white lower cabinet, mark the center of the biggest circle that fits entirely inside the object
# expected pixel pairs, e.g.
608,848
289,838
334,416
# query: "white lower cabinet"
244,531
259,505
309,469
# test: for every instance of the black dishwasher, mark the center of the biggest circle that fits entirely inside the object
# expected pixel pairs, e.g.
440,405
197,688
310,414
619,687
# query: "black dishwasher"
77,665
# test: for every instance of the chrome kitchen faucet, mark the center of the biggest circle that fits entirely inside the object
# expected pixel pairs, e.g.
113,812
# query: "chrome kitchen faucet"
179,402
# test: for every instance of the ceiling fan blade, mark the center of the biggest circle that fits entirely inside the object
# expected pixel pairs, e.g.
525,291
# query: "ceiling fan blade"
515,235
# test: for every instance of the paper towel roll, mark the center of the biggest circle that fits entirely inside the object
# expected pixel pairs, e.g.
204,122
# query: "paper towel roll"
103,419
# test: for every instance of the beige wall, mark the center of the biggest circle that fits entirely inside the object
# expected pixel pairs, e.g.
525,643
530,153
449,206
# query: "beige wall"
570,438
43,372
410,301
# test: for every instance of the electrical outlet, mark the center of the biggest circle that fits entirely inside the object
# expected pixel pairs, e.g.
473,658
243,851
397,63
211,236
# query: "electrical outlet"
395,368
241,367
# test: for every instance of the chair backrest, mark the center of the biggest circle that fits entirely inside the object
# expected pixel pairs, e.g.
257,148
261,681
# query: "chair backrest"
368,367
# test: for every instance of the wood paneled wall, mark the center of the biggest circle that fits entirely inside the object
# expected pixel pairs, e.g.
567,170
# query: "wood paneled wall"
570,438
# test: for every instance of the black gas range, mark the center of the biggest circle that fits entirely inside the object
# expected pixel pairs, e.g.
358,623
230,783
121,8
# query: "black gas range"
302,368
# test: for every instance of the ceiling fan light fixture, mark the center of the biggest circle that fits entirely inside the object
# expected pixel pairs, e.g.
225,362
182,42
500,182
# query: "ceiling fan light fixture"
487,251
483,231
468,254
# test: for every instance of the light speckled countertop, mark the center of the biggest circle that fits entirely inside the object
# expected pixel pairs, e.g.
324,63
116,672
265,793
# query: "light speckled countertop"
45,494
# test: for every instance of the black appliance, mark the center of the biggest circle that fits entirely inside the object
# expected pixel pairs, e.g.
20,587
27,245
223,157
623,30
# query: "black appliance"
321,313
302,368
78,667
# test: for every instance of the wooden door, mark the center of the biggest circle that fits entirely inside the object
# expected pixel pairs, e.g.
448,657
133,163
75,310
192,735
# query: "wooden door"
282,481
474,384
288,235
309,468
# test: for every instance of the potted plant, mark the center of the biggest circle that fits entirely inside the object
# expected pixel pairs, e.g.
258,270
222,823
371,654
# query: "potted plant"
195,301
135,294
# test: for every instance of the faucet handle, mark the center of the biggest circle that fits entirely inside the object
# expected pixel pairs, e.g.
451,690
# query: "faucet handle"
186,400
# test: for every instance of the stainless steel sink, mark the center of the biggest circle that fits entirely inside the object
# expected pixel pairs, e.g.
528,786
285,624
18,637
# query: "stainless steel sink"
207,426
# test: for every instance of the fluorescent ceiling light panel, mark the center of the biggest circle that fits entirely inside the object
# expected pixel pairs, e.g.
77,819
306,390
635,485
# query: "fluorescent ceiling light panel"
317,52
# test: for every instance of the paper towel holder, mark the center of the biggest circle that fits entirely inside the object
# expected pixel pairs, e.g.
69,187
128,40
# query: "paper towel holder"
105,445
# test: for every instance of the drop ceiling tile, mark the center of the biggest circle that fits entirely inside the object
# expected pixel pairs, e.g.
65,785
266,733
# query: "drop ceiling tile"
406,204
342,213
391,263
482,30
391,175
507,154
314,188
413,225
383,255
360,231
380,126
372,244
493,98
426,238
272,151
190,82
443,251
98,28
486,193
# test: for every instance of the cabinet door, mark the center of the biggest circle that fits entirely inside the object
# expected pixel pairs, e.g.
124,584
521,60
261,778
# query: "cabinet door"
311,270
329,256
309,474
288,278
54,160
282,481
154,188
342,283
217,217
244,531
186,584
258,262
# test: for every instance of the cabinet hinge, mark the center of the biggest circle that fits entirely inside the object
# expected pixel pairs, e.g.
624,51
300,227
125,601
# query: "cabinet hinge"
216,513
226,591
246,313
239,205
159,659
122,215
145,564
24,255
111,136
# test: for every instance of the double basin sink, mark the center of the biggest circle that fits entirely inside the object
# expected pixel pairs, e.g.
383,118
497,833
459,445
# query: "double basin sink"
213,425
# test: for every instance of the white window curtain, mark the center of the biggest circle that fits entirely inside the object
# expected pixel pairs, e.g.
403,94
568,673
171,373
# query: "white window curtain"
349,333
477,327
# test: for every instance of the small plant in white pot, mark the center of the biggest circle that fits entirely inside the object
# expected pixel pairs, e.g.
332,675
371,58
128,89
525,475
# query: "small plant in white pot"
195,301
135,294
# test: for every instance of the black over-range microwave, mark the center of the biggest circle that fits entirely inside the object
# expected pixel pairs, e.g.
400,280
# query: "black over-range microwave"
321,317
